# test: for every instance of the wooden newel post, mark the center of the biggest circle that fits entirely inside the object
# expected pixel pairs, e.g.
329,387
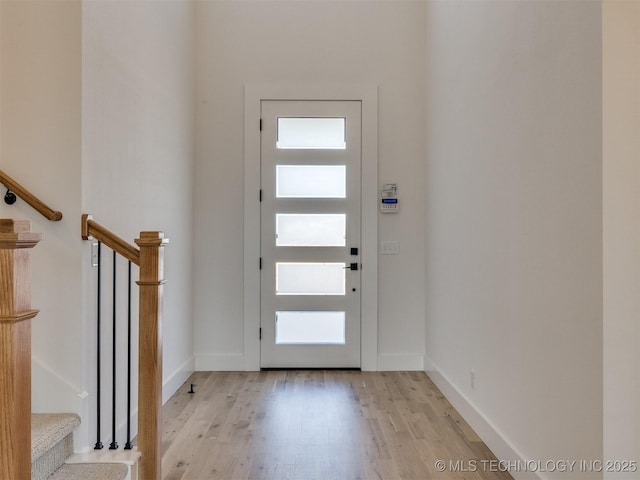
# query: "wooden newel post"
16,242
150,363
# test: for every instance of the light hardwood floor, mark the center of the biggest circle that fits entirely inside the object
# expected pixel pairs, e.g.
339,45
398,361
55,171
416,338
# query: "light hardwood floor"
318,425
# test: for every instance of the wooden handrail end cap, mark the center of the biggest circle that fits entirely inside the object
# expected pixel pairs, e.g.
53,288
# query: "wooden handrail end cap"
85,226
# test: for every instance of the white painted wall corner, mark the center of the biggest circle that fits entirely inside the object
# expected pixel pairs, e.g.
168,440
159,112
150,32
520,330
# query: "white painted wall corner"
395,362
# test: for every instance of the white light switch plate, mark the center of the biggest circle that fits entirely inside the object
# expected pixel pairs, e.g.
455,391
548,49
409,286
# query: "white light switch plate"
390,248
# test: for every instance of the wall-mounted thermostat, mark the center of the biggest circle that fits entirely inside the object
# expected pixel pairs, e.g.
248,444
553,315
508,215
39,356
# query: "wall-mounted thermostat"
389,198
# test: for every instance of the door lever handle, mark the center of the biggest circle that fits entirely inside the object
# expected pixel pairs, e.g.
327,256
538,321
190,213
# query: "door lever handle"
351,266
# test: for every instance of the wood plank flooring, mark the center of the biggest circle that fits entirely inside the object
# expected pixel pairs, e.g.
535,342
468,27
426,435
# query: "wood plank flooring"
318,425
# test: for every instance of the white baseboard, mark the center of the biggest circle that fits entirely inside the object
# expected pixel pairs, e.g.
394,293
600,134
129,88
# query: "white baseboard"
400,362
211,362
489,434
234,362
172,383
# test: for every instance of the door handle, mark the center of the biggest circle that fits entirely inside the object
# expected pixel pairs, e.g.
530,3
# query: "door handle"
351,266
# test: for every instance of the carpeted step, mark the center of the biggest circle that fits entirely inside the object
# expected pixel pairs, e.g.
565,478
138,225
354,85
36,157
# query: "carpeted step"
51,442
91,471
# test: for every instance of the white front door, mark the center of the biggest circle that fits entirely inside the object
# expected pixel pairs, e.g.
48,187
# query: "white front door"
310,234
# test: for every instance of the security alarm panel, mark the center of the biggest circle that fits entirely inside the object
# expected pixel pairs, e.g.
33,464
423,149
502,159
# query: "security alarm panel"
389,198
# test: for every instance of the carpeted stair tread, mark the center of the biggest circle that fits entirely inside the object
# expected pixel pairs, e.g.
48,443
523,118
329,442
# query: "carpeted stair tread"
91,471
47,429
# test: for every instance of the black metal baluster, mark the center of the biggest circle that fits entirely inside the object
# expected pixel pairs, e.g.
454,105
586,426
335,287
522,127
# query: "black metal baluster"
114,444
129,445
99,445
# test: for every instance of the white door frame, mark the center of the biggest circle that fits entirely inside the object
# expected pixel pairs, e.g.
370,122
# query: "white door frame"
253,95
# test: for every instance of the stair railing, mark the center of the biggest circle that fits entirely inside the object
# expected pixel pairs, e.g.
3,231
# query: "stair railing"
148,256
15,189
16,242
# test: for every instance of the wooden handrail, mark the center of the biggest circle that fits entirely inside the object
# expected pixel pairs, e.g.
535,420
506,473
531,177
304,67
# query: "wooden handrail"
92,229
30,198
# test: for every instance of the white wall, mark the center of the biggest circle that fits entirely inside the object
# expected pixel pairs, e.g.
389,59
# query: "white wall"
514,222
40,122
138,148
621,205
348,42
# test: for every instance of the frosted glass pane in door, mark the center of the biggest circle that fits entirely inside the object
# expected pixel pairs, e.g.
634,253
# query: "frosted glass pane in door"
311,133
310,230
311,181
310,328
310,278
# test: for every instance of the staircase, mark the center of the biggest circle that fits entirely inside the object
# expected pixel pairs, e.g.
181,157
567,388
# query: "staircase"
49,437
52,446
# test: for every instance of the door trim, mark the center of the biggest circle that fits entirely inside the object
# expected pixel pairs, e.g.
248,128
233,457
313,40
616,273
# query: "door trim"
254,93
